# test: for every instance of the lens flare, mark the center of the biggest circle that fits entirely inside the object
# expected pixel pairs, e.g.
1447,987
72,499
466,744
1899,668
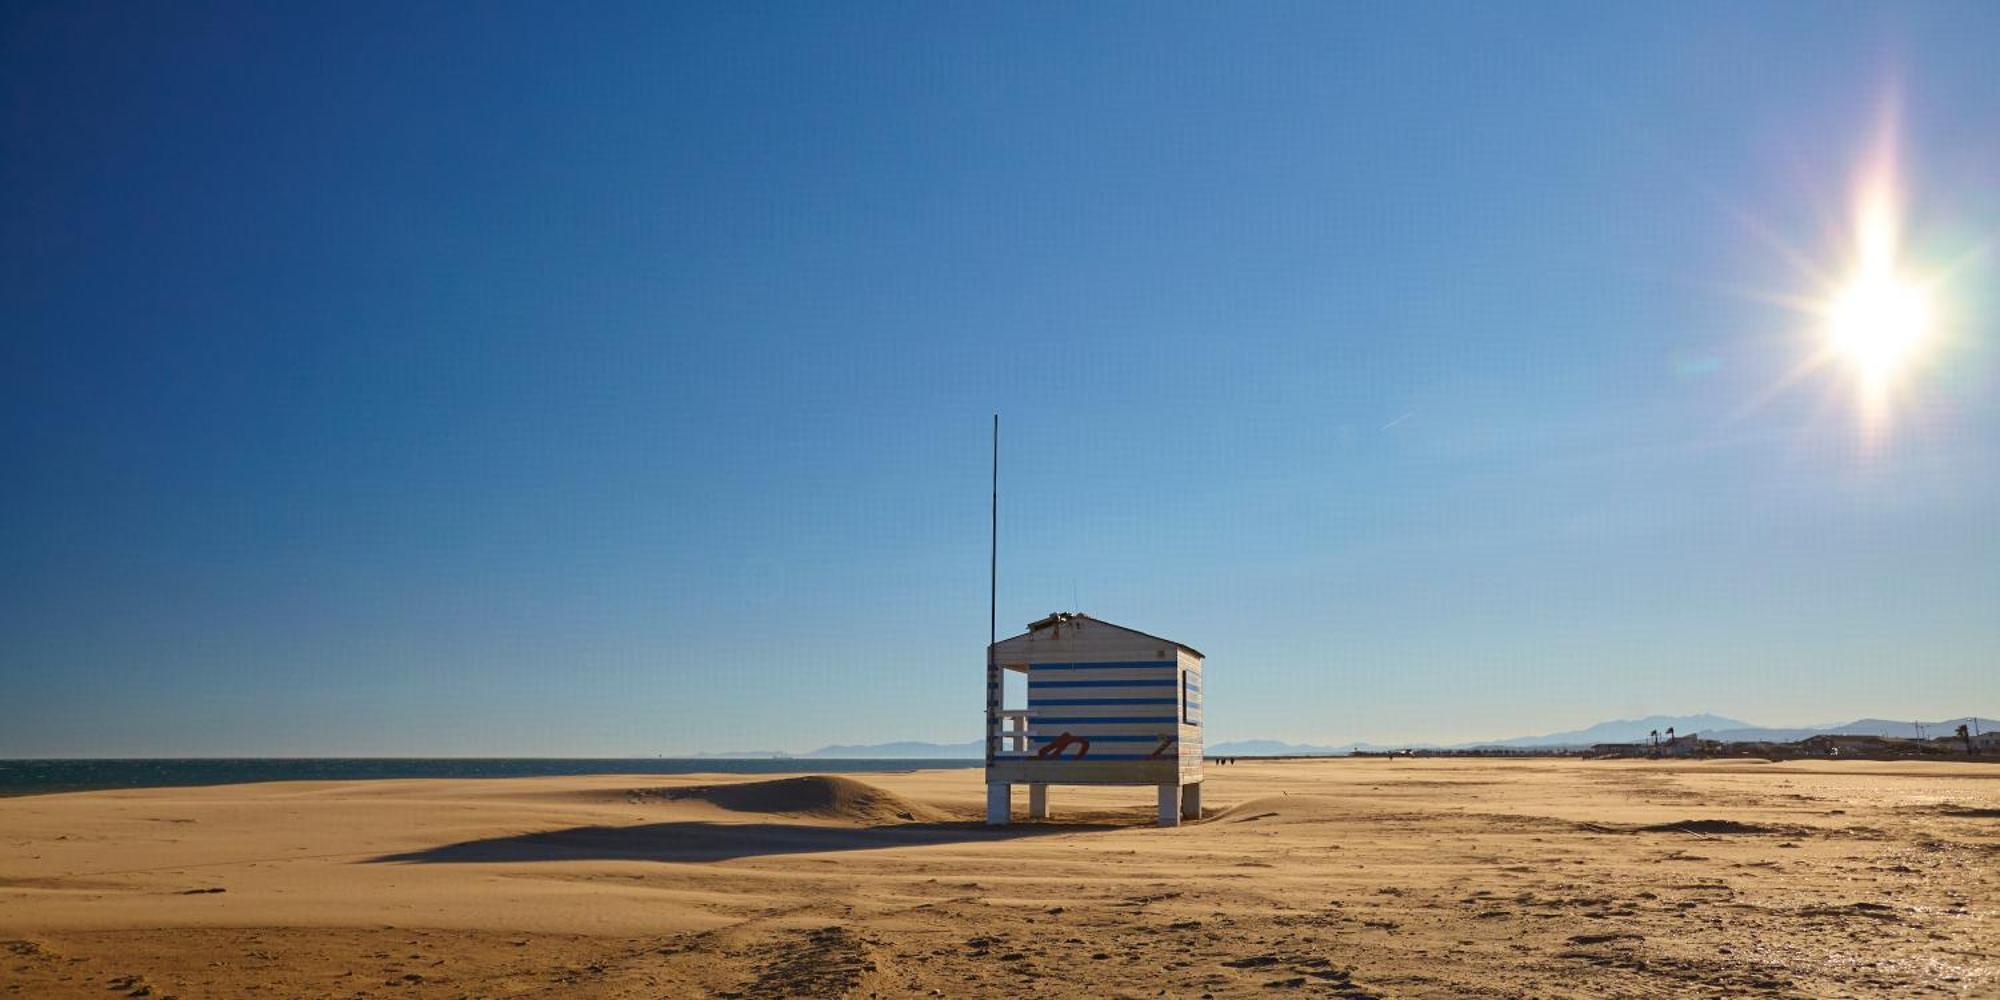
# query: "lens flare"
1880,320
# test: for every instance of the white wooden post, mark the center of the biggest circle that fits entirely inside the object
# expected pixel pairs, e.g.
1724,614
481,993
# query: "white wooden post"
1191,801
999,796
1038,801
1170,804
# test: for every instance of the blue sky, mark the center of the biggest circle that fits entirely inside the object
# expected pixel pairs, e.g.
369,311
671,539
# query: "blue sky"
408,379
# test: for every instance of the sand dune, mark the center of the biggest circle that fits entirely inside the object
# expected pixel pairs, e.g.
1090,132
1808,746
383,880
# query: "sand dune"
1422,878
825,796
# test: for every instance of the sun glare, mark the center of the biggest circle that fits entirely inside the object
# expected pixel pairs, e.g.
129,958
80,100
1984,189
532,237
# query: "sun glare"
1878,317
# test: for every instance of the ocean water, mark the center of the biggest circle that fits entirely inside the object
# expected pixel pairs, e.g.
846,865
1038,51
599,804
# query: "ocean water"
32,777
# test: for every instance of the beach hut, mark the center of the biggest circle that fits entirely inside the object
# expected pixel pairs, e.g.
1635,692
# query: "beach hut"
1106,705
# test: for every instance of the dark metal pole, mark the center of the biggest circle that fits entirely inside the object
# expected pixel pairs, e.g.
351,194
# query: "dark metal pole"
993,549
993,681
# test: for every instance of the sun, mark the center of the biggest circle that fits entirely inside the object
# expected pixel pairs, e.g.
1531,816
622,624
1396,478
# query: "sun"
1878,324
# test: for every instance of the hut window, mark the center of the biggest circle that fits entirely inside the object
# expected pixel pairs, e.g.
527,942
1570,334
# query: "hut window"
1184,698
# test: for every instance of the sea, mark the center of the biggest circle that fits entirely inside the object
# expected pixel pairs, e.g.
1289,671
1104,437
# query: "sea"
35,777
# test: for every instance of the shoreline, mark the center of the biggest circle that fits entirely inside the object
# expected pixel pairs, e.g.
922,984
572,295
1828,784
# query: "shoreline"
68,775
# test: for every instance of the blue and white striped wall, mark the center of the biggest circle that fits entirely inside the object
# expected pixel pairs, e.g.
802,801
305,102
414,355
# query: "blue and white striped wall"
1126,709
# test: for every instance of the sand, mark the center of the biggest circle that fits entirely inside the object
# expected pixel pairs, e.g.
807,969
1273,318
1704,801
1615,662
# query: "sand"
1393,878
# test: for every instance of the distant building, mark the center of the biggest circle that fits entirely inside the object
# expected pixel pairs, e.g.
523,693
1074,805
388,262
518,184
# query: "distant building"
1835,744
1107,705
1680,746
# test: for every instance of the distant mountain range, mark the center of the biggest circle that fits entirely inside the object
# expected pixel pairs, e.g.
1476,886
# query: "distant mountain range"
899,750
912,749
1708,727
1712,727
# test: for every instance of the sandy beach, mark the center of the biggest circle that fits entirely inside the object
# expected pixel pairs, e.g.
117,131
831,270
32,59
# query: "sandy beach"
1377,877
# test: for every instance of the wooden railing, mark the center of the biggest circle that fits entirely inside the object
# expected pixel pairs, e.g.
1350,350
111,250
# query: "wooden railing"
1014,737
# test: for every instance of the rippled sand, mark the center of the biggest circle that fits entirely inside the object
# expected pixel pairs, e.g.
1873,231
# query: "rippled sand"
1432,878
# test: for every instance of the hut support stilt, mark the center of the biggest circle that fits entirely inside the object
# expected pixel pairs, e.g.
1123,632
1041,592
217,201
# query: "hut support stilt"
999,799
1038,801
1170,805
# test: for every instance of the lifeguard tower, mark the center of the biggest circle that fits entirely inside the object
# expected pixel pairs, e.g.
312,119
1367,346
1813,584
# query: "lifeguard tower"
1106,705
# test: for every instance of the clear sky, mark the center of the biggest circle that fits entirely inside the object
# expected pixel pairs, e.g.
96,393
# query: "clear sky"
616,379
